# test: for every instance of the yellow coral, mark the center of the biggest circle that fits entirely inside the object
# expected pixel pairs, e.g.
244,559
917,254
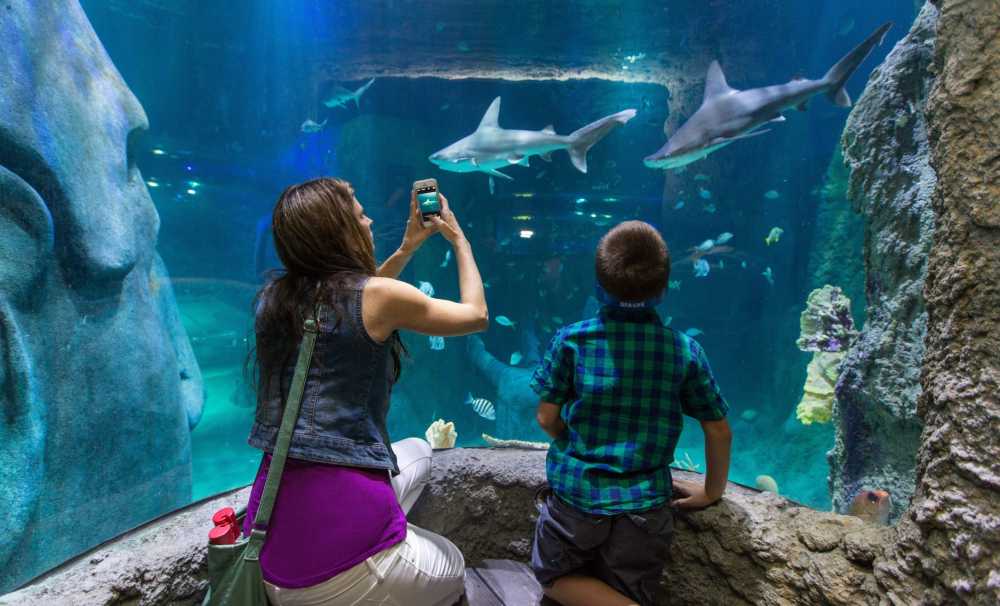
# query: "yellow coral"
816,405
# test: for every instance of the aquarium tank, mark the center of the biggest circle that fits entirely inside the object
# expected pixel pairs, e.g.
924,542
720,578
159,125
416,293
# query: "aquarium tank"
140,161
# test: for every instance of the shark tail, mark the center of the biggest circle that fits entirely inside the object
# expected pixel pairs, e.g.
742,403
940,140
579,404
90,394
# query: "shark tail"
582,139
839,73
361,91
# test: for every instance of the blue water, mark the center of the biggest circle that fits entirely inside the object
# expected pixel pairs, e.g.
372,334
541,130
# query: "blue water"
226,90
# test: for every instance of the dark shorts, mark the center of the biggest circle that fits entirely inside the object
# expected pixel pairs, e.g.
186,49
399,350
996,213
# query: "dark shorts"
627,551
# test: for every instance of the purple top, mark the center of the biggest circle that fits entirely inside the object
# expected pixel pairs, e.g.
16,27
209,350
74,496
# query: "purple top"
326,519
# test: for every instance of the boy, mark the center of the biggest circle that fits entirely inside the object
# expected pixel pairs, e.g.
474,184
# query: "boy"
613,389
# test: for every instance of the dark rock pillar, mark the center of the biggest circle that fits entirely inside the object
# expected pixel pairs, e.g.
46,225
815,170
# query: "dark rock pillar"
891,183
949,541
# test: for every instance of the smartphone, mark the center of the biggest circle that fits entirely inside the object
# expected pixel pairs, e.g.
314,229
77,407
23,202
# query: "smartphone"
427,199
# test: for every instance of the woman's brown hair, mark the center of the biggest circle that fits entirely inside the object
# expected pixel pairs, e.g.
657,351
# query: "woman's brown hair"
321,244
633,262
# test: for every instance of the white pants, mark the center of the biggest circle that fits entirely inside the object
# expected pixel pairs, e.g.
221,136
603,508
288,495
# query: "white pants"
425,569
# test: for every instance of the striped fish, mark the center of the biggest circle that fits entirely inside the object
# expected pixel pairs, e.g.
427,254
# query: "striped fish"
483,407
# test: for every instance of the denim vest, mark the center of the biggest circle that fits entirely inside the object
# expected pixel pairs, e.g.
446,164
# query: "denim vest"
345,401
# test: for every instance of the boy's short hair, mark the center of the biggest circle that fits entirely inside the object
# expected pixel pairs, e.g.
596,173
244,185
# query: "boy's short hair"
633,262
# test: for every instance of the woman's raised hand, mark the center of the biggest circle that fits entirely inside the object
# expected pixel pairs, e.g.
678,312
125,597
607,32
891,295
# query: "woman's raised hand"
416,232
447,224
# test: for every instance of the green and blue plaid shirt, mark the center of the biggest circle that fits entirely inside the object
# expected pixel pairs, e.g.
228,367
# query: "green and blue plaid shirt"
623,381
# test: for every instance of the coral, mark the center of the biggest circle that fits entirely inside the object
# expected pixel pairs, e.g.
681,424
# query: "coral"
441,435
498,443
826,324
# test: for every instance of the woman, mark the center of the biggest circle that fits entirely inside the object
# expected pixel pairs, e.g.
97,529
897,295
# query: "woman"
338,532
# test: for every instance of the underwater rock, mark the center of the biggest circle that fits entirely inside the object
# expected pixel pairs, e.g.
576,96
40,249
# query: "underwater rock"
515,401
891,184
498,443
816,405
97,376
948,543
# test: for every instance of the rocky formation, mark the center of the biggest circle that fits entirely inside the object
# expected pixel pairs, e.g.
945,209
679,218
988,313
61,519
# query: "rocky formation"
752,548
949,541
98,383
885,146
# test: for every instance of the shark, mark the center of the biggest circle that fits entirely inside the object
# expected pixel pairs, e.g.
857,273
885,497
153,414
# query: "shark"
727,114
490,148
340,96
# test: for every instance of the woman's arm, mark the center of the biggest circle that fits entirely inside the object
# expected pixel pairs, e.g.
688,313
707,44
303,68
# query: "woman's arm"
414,236
390,304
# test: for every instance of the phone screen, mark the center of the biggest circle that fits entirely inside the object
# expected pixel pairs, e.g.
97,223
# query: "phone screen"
427,199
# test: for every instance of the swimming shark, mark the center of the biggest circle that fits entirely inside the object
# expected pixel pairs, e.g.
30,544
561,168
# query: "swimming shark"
490,147
728,115
339,96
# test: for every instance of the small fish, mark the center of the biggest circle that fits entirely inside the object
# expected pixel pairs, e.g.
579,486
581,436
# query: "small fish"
493,186
515,358
437,343
483,407
724,237
340,96
447,257
743,264
710,209
693,332
704,193
541,174
720,264
674,285
872,506
634,58
668,320
439,27
706,245
845,26
679,205
444,107
771,194
748,415
701,177
311,127
427,288
773,236
701,268
557,319
463,46
767,273
505,321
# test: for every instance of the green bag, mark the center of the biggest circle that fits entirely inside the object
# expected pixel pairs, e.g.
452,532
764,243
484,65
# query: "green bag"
234,575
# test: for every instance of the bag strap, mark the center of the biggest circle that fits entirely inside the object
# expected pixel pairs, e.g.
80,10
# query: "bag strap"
258,531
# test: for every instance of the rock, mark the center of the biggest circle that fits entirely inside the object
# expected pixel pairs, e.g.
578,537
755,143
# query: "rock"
98,382
948,546
891,183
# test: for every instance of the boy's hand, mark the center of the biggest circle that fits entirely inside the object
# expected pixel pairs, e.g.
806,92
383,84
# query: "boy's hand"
695,496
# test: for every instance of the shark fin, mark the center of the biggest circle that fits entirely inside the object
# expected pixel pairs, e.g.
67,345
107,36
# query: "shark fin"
778,118
474,161
518,159
549,129
491,119
496,173
715,82
837,76
726,140
582,139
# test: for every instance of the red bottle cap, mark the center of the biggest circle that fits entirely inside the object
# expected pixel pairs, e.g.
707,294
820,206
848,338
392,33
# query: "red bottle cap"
224,534
226,515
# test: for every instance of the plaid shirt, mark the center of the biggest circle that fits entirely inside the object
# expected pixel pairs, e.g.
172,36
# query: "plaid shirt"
623,380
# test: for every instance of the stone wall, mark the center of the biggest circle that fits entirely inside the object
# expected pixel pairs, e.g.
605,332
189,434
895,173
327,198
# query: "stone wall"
891,182
752,548
948,548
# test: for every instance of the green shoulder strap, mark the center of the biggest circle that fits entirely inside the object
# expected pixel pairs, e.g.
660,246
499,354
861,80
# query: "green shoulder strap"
259,530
